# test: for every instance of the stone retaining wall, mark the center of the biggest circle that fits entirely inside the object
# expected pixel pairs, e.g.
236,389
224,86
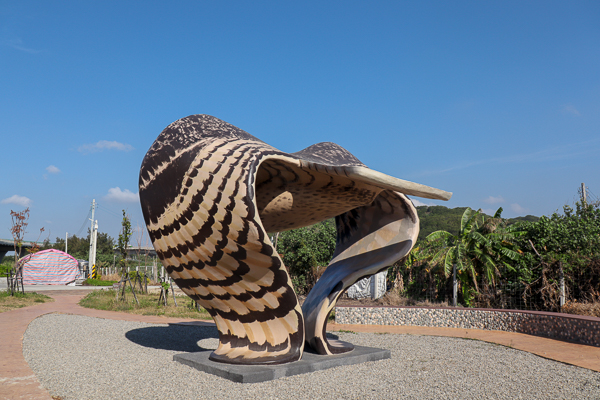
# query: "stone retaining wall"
567,327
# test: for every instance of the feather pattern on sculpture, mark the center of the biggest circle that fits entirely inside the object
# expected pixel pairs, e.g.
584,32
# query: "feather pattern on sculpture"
210,192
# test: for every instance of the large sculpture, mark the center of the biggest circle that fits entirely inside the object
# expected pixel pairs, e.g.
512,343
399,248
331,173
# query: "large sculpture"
210,192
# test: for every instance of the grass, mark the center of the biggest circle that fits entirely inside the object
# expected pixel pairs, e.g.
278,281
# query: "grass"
19,300
98,282
106,300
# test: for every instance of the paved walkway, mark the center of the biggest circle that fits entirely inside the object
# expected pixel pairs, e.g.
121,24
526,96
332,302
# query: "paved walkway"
17,380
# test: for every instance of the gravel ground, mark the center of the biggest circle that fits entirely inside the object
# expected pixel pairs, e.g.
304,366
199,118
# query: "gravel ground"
79,357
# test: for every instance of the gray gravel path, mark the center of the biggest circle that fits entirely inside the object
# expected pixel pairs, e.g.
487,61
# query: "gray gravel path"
79,357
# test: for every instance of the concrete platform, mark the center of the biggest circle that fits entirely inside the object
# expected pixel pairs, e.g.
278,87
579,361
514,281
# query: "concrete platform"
310,362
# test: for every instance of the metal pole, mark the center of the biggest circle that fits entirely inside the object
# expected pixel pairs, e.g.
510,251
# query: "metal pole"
66,242
454,286
90,261
561,279
95,239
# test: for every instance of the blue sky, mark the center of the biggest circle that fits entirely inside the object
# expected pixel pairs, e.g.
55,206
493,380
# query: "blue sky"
495,101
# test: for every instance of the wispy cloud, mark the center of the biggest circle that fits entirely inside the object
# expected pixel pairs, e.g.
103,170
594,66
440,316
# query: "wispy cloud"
123,196
566,151
18,200
569,109
418,203
17,44
104,145
518,209
494,200
52,169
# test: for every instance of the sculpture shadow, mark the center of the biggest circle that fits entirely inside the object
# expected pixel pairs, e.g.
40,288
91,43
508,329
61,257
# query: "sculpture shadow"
175,337
181,337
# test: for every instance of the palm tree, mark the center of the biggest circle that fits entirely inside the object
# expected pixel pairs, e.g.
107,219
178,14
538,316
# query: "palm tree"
479,248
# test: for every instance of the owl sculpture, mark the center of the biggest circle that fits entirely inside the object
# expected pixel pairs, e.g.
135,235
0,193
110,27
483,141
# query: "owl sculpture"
210,194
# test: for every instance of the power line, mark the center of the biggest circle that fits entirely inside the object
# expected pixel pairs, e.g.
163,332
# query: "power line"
108,211
584,194
85,222
592,198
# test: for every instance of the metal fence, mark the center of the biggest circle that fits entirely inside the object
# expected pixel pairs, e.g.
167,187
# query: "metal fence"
546,287
154,271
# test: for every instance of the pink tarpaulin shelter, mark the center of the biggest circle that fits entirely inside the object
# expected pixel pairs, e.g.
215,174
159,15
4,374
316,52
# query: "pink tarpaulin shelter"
49,267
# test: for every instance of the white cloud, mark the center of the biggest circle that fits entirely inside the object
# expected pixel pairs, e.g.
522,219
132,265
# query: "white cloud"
125,196
104,145
418,203
569,109
18,45
518,209
52,169
587,148
494,200
18,200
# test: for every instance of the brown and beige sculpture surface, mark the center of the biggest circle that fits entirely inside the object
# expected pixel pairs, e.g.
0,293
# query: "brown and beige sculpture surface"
210,192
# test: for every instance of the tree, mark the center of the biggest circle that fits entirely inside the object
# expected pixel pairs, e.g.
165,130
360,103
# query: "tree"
122,246
35,247
440,218
20,220
306,252
562,257
436,218
17,230
80,247
123,243
478,249
576,230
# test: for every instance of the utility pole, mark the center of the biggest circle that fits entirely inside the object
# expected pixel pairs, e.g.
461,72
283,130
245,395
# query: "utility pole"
583,195
95,236
66,242
92,255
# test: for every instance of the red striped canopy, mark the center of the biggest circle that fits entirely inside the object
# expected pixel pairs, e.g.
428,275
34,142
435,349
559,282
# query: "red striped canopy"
49,267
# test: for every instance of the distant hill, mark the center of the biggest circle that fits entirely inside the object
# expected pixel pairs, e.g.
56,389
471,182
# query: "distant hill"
437,218
527,218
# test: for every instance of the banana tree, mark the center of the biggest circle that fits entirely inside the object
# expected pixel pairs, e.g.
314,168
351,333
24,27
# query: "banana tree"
479,248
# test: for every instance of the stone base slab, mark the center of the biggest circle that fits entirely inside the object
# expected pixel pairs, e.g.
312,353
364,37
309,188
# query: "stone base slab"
310,362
